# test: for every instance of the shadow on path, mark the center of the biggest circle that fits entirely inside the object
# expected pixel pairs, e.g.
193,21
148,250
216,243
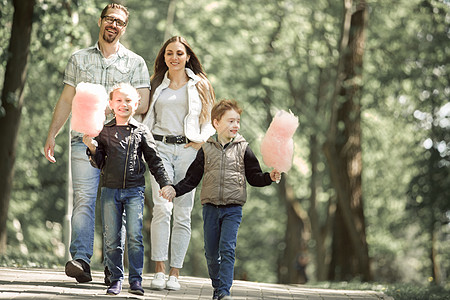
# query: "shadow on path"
18,283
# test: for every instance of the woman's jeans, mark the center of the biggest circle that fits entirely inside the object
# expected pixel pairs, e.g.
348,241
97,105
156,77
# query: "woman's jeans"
114,203
177,160
220,227
85,179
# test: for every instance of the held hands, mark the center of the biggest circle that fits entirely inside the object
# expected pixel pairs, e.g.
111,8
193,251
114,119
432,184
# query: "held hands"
275,175
90,143
168,192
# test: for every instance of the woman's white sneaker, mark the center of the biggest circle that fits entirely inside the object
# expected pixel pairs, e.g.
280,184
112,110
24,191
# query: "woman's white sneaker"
173,284
158,282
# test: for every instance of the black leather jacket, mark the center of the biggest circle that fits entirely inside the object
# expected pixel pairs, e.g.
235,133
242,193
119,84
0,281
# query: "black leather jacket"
119,155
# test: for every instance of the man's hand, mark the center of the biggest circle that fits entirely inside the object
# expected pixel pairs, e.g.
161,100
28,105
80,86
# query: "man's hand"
49,149
60,115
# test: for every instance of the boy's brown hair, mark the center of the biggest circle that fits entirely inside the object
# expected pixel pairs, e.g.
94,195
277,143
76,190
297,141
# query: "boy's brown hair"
223,106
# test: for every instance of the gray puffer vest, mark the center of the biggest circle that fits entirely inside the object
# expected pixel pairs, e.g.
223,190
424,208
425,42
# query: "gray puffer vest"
224,180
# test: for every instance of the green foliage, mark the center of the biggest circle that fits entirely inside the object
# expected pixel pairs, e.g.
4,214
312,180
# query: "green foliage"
397,291
33,260
39,191
428,192
399,61
417,292
251,51
258,235
6,10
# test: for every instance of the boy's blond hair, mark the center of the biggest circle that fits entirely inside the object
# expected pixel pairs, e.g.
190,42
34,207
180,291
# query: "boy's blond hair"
221,107
126,87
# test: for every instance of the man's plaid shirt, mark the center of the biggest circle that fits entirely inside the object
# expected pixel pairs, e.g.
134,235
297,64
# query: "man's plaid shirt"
89,65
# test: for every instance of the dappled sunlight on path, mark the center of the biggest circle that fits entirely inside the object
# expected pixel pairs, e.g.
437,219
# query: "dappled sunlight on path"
54,284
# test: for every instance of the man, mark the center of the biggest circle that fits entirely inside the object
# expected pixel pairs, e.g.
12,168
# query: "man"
106,63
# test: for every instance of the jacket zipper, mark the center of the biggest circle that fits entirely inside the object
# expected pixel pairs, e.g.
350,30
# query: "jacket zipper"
126,161
222,174
139,166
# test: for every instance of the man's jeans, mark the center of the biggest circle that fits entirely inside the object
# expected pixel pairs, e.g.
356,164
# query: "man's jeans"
85,179
220,226
114,203
177,160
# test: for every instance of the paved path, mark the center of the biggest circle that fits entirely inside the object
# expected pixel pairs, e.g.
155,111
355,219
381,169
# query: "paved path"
54,284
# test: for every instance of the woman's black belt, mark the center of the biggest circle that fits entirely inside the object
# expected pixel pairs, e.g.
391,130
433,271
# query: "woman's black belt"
171,139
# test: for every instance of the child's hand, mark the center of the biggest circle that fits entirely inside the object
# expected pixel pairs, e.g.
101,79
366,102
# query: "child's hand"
275,175
168,192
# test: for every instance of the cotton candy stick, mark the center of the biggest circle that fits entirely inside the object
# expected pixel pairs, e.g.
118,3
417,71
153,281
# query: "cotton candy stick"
277,146
88,108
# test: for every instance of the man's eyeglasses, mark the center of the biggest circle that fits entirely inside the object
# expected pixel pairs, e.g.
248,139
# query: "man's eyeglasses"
111,20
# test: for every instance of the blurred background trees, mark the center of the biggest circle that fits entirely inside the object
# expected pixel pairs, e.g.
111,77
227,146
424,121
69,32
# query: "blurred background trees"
376,111
12,102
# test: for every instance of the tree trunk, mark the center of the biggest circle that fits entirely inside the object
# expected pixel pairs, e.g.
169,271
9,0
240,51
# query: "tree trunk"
350,256
319,231
292,266
169,20
11,103
436,272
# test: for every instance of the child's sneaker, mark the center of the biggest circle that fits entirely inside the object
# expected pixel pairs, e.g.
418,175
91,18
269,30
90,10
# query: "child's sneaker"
136,288
114,288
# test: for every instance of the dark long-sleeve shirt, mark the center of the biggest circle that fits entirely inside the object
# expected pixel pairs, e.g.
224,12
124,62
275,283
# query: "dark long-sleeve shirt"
194,174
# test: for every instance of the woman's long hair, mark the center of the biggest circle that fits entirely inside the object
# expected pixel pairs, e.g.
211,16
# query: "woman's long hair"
204,87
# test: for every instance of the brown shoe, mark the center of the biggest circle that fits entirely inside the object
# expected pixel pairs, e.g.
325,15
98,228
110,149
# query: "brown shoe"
78,269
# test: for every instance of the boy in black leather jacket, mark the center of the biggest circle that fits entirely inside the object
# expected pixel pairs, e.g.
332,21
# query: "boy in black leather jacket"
118,151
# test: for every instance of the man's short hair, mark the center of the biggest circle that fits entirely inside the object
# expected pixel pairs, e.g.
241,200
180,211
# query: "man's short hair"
115,6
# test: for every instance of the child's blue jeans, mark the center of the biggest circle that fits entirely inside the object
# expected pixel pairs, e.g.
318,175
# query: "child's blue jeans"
114,203
220,226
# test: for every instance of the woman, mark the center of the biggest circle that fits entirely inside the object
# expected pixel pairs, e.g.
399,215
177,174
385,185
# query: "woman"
179,118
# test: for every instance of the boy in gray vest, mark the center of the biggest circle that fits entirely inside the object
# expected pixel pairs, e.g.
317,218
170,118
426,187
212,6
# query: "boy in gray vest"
226,164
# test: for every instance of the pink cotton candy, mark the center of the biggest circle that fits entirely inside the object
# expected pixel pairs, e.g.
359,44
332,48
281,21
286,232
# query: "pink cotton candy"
88,108
277,147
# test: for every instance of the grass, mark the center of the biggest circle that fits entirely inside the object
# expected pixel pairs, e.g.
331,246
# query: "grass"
398,291
415,292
